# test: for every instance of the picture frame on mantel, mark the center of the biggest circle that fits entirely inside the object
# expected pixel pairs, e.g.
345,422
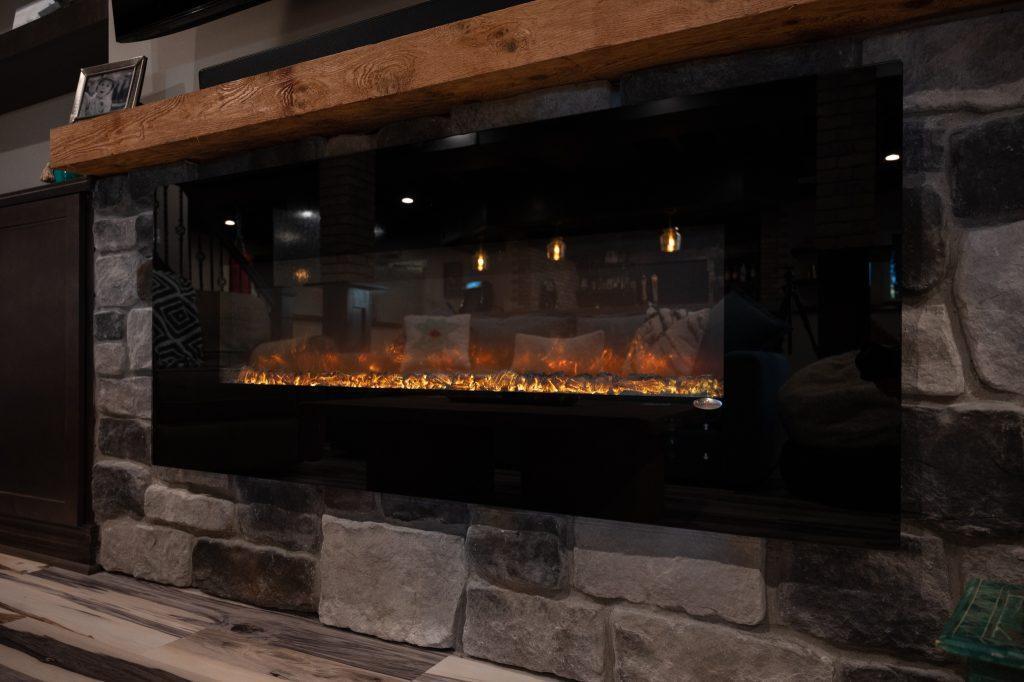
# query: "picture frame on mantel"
108,87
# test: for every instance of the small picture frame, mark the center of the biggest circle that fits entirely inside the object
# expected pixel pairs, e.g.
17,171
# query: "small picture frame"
108,87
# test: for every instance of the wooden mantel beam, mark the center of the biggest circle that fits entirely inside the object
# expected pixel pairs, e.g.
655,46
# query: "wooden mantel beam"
529,46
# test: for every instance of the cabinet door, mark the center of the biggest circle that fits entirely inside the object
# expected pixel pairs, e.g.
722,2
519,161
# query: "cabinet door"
41,361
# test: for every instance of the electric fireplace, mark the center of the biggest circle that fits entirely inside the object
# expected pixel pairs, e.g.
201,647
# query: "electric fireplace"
684,312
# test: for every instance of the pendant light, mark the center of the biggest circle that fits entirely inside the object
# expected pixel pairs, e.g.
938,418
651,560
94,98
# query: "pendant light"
671,239
480,260
556,249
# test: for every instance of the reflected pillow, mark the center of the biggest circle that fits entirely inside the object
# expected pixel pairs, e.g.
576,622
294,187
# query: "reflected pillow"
546,355
667,343
436,343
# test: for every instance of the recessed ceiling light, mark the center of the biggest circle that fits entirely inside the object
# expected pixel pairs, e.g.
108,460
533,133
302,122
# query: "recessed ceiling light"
407,200
306,214
229,222
892,157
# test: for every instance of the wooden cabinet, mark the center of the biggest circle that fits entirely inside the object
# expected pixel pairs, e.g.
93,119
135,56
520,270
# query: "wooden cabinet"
44,374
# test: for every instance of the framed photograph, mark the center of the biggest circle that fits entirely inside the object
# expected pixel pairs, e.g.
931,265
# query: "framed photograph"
108,87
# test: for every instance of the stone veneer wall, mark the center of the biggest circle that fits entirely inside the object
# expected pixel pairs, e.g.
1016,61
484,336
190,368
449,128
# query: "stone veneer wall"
597,600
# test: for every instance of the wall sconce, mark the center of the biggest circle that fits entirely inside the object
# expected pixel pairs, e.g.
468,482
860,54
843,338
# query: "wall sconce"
671,239
556,249
301,276
480,260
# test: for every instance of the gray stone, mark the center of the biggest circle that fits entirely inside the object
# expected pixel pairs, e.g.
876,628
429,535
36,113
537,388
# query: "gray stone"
923,146
145,233
990,298
924,239
392,582
533,106
140,338
198,514
963,55
115,280
886,599
264,576
108,325
704,574
266,524
144,281
746,68
931,362
295,497
206,482
963,466
412,131
1003,563
562,636
347,503
440,515
109,358
118,489
124,438
652,646
163,555
517,519
987,171
522,560
852,670
113,234
129,397
111,197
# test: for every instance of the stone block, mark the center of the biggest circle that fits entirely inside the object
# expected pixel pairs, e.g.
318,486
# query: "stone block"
206,482
113,234
652,646
522,560
412,131
923,146
129,397
140,338
115,276
265,524
987,171
746,68
1002,563
884,599
109,358
441,515
145,233
704,574
144,281
124,438
392,582
964,58
533,106
108,325
990,296
346,503
264,576
118,489
853,670
160,554
931,361
924,239
562,636
296,497
963,466
199,514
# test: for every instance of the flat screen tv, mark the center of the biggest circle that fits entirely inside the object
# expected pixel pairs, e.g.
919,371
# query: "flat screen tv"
136,20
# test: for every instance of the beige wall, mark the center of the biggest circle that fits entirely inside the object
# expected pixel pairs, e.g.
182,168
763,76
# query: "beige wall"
175,60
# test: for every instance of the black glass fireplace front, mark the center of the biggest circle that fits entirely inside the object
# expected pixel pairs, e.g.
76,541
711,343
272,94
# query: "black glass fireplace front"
684,312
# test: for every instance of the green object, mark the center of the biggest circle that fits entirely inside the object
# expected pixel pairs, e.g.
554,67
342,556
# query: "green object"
987,628
60,176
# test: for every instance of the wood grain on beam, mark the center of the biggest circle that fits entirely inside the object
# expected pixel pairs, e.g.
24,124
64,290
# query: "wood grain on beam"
525,47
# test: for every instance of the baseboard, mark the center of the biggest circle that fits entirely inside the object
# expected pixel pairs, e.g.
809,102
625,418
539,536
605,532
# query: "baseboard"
70,547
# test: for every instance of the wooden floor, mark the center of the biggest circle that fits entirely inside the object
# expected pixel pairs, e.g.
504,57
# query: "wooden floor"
57,625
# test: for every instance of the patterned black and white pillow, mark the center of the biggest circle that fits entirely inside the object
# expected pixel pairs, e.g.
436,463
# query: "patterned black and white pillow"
177,336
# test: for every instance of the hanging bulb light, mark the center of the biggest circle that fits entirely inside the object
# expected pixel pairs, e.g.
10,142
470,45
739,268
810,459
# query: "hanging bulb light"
671,239
480,260
556,249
